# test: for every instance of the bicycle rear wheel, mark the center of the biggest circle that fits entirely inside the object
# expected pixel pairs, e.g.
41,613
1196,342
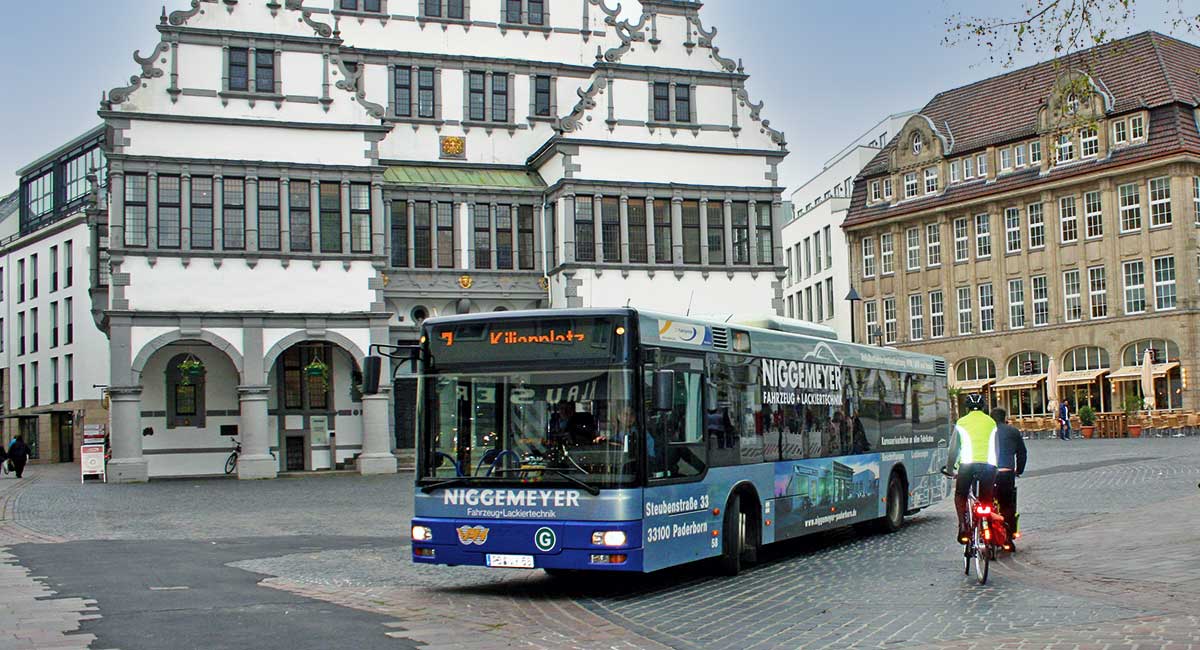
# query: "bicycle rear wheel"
231,464
983,556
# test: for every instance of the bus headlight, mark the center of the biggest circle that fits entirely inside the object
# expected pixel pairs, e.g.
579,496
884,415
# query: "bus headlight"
608,538
422,534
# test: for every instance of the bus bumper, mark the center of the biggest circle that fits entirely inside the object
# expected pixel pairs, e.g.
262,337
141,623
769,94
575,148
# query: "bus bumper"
544,545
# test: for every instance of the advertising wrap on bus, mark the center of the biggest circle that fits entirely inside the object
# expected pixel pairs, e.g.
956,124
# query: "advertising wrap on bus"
615,440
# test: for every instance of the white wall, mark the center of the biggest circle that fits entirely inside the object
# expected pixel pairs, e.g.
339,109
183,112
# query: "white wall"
89,348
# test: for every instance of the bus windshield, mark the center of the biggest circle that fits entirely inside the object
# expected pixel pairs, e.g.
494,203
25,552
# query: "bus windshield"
530,426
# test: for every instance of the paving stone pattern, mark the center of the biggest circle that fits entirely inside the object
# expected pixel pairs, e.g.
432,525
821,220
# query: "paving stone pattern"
1109,560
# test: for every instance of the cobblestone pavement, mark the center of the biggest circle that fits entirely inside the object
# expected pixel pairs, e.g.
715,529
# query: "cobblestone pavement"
1108,560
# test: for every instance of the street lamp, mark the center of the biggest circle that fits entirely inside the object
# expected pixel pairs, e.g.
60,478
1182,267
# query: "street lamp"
853,298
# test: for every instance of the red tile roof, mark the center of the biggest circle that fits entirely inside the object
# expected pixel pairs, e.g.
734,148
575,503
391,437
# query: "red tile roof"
1148,70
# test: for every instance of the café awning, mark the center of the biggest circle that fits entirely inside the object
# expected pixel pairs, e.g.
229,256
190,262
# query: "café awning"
974,385
1019,382
1076,377
1134,373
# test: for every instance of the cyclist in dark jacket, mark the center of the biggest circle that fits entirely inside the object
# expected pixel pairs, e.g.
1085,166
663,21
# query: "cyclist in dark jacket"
1010,463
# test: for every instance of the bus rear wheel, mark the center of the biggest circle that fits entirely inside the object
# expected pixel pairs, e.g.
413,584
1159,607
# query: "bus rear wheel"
896,505
738,542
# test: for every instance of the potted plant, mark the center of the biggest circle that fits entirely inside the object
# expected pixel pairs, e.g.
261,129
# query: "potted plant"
955,394
1133,404
317,368
190,368
1087,421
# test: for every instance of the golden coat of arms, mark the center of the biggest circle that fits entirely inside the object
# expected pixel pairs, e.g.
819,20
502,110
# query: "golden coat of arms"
466,281
454,146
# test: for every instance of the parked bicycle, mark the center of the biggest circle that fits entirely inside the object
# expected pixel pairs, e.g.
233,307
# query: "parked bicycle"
232,461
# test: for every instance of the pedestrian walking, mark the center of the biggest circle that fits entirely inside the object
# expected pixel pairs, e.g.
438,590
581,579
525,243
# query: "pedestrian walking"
18,453
1064,421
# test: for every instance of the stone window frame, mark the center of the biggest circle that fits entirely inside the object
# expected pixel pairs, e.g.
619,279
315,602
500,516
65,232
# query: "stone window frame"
1016,304
250,45
968,164
415,70
1072,296
523,20
443,13
887,254
887,188
868,257
916,317
1164,217
961,236
931,180
1089,138
1133,284
1093,215
933,245
910,185
162,204
912,249
467,220
361,8
987,308
552,108
1068,220
673,82
1035,152
891,329
955,171
489,73
966,314
937,314
1019,155
981,165
1097,292
1064,149
174,380
1166,291
1012,230
1129,213
983,236
1039,294
870,316
1005,159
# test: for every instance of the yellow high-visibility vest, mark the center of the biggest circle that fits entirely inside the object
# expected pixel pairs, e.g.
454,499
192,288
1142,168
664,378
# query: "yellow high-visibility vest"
976,439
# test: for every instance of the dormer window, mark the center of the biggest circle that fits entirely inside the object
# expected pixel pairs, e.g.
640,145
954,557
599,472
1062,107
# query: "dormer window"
1120,134
887,188
1065,148
931,180
910,185
1137,129
981,164
916,144
874,190
955,171
1089,142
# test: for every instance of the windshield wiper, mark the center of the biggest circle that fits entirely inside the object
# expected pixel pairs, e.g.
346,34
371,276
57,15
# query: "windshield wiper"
462,480
562,472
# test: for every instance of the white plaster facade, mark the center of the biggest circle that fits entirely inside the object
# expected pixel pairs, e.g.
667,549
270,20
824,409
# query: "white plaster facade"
818,272
358,186
53,352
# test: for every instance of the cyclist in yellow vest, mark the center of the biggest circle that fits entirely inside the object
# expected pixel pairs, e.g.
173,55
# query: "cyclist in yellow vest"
973,451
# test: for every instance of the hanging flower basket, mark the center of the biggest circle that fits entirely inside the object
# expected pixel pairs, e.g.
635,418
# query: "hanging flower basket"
318,368
190,368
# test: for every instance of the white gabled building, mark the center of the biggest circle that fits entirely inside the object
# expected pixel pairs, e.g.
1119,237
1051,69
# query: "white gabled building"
818,272
294,181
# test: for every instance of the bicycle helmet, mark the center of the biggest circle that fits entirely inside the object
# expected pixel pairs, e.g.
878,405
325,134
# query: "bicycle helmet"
975,402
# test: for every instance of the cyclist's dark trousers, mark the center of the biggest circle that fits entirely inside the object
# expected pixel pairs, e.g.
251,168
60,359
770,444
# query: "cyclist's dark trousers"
1006,498
967,474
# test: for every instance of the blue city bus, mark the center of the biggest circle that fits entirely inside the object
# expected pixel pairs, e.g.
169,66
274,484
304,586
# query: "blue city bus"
627,440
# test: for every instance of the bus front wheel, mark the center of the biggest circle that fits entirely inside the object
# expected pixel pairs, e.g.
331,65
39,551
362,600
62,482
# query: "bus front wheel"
738,547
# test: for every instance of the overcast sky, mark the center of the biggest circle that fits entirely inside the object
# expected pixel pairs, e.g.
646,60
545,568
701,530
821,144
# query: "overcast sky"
827,70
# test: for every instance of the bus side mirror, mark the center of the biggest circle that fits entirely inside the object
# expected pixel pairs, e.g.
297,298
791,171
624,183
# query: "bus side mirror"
372,367
664,390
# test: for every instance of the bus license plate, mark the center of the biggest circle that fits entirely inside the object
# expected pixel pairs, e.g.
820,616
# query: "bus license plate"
510,561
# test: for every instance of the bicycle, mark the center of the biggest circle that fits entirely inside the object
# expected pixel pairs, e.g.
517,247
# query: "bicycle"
232,461
988,534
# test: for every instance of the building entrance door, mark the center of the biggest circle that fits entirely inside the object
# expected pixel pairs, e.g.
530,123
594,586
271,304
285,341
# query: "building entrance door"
293,456
63,426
